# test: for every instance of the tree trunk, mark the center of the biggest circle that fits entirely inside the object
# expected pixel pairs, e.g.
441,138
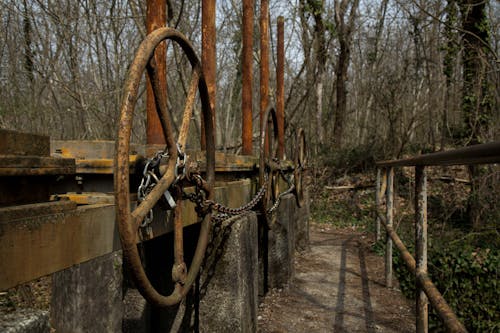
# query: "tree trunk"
345,39
449,63
320,49
476,99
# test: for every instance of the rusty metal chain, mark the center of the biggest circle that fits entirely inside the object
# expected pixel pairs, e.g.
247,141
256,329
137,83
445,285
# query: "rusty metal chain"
150,177
225,212
237,211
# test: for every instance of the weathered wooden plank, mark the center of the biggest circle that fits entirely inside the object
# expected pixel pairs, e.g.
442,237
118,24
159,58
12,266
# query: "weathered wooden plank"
89,150
22,144
11,165
87,198
35,246
101,166
97,156
38,209
39,245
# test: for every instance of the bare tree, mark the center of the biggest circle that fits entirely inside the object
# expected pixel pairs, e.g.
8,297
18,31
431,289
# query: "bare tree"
345,31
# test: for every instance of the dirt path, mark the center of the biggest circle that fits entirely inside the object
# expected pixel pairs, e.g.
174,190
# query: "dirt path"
338,287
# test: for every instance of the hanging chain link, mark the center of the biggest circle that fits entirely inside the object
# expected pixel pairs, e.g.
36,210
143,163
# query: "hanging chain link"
150,178
291,188
148,182
225,212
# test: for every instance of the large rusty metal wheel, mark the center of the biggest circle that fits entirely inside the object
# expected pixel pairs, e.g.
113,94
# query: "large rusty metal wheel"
300,164
129,220
269,163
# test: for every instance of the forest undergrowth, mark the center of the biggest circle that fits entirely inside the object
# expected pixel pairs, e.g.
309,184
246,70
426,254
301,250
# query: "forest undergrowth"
463,262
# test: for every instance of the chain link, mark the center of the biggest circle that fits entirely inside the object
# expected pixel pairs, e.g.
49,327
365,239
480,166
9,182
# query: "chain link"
278,201
150,179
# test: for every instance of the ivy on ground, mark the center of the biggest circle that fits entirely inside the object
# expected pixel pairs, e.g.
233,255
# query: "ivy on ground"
468,280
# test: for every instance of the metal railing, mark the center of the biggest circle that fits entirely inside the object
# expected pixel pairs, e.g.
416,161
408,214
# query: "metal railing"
426,290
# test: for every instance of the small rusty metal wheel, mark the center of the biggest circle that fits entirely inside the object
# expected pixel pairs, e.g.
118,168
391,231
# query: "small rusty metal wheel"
269,163
300,164
129,221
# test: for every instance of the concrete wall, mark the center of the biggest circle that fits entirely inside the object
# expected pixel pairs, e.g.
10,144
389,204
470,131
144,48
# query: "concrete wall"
88,297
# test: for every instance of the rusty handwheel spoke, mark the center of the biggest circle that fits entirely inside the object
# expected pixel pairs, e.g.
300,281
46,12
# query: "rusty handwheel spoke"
267,162
140,212
188,109
128,222
300,163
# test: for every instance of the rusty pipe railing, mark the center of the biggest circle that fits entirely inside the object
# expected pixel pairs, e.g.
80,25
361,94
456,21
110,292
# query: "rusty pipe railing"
426,290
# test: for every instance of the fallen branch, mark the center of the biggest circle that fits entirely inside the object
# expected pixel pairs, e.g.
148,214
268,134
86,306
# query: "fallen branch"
350,187
449,179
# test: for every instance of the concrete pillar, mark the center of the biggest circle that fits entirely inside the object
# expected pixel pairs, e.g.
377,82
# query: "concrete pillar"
228,283
88,297
281,244
302,224
136,313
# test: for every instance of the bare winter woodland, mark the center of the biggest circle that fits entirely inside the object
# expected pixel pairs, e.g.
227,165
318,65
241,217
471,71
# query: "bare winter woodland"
386,74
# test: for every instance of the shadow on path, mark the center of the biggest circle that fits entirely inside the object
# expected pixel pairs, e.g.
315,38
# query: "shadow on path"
337,289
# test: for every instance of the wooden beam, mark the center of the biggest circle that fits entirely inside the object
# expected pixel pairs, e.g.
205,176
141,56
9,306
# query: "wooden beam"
22,144
35,166
38,245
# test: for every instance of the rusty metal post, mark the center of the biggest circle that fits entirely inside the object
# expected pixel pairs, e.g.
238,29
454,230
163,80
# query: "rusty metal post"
208,57
421,245
247,76
377,204
156,17
264,65
280,87
389,219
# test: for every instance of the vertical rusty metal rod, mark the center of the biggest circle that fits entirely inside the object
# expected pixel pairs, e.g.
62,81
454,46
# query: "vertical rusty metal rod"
247,77
377,204
389,194
208,57
422,323
178,236
280,87
156,17
264,58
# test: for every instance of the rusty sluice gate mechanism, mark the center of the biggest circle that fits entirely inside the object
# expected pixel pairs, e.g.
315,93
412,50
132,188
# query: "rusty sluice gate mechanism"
165,174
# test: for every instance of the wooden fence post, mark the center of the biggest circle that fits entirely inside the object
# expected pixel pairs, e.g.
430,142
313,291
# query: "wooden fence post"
421,245
377,205
389,217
